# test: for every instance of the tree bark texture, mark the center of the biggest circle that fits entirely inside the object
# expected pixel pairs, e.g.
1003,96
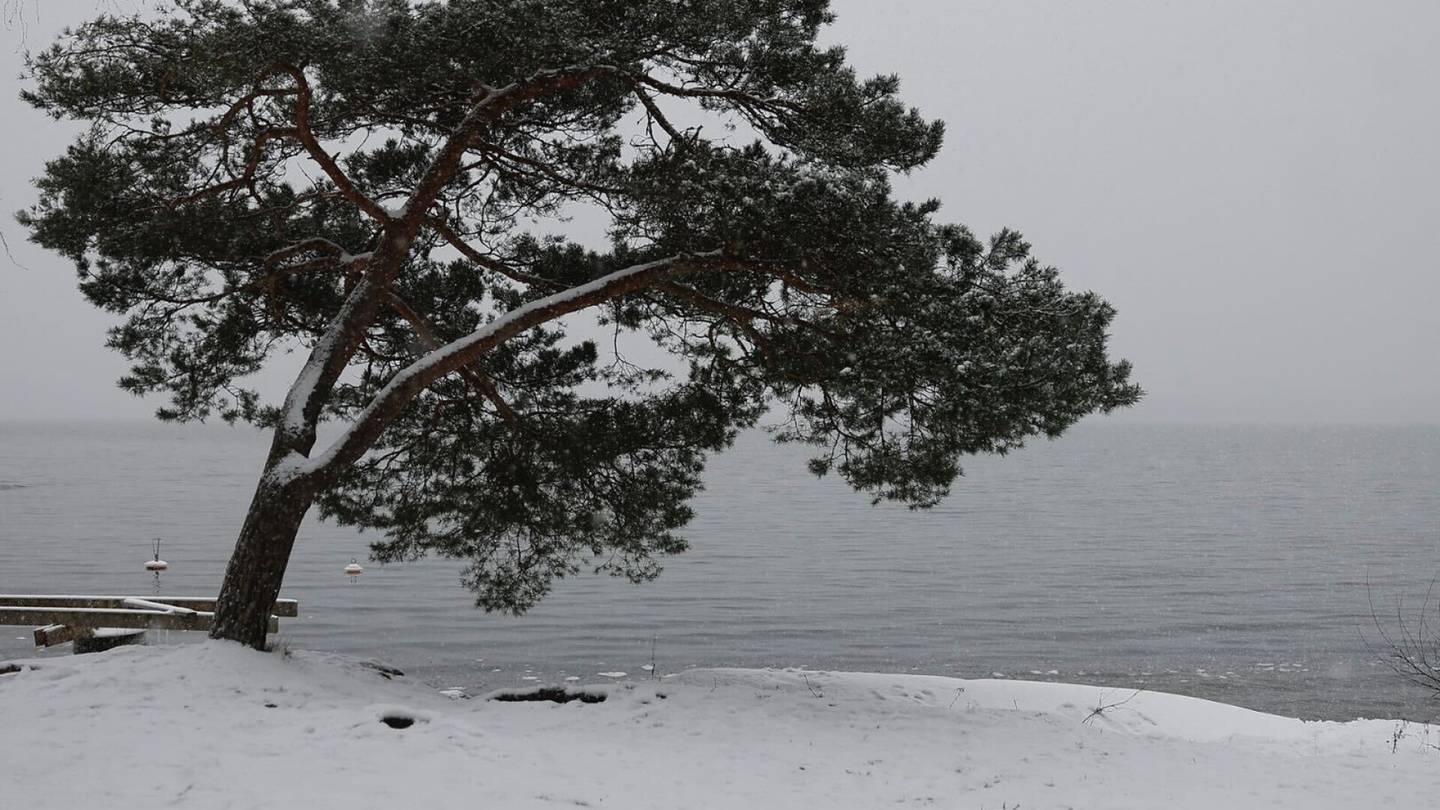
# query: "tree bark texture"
257,566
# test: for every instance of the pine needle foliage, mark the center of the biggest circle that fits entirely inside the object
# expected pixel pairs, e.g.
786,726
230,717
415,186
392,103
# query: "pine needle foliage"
361,180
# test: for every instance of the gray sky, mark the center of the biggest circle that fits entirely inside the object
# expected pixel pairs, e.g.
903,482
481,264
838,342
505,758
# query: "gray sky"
1252,184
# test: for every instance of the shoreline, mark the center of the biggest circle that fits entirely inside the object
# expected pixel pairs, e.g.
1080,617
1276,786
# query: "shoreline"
210,724
1288,690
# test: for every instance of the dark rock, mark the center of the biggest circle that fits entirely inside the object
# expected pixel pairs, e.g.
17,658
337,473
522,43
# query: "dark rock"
554,694
386,672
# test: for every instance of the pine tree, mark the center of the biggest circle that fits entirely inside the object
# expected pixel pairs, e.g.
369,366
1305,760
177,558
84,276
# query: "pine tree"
360,180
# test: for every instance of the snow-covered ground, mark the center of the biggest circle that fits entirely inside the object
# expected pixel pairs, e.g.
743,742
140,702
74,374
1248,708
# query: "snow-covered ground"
214,725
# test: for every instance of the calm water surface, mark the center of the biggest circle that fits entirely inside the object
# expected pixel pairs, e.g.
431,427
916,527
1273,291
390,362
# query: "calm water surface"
1226,561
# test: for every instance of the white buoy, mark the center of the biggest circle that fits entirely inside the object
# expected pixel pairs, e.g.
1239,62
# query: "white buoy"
354,569
157,565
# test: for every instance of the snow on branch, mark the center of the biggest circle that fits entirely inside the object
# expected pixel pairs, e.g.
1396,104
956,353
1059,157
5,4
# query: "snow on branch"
313,245
332,352
414,378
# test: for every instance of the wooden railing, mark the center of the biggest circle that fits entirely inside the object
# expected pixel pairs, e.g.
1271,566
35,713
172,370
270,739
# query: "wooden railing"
59,619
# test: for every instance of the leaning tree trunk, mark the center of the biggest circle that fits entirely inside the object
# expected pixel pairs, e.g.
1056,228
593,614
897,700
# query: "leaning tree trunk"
257,567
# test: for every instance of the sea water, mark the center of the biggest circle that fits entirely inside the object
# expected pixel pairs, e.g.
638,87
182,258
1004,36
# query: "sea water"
1253,564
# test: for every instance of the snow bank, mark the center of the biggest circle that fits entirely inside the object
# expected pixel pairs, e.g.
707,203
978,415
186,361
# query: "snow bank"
215,725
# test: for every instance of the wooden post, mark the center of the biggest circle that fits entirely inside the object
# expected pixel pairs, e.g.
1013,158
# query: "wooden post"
53,634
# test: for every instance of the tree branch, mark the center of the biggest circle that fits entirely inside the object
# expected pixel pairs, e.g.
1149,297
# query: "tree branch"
247,174
410,381
654,110
317,151
547,170
332,352
316,244
447,233
490,107
471,373
734,312
740,97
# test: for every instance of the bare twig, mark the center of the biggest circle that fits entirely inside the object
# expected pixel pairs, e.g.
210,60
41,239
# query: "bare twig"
1105,707
1413,652
814,691
6,244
